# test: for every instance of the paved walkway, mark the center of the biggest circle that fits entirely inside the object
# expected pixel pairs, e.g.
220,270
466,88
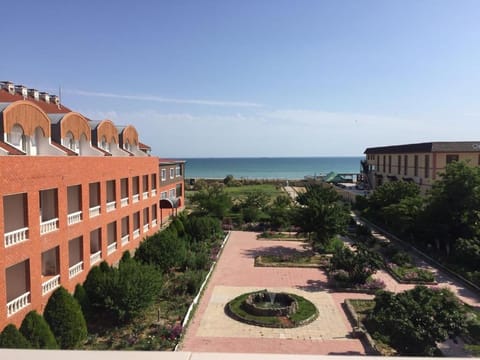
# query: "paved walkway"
212,331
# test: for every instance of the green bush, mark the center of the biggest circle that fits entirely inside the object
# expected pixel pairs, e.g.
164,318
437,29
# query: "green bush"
36,330
82,298
64,315
402,258
11,338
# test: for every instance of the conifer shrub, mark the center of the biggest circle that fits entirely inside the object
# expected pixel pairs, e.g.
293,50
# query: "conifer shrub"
64,315
36,330
82,298
11,338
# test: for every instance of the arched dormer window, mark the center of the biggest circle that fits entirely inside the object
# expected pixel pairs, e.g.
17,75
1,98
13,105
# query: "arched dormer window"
104,145
17,138
69,141
112,143
127,145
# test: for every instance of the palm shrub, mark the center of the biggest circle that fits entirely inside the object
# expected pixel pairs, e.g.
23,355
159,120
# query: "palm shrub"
36,330
11,338
64,315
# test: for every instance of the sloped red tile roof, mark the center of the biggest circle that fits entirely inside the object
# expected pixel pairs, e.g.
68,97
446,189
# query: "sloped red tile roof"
49,108
143,146
64,148
12,150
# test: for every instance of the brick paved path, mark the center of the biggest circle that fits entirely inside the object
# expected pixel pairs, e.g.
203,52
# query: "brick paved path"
212,331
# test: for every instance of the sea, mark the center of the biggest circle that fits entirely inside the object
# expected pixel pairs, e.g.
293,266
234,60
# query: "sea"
288,168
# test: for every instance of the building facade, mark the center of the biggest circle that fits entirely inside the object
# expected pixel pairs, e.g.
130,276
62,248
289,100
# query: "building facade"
421,163
73,192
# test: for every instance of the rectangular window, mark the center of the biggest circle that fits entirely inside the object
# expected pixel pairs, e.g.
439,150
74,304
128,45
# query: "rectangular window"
172,173
178,171
427,166
415,165
389,164
163,195
405,164
451,158
164,174
399,164
384,162
378,162
172,193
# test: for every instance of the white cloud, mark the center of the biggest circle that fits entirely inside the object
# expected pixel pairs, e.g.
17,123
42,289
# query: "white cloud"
154,98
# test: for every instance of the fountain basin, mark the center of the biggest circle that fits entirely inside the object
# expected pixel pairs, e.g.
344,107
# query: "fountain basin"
266,303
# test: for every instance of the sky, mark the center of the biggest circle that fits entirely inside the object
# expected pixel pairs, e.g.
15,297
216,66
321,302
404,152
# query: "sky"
247,78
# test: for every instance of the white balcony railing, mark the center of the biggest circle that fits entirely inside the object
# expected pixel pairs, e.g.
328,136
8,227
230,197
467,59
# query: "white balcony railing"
136,233
94,211
74,218
145,228
111,248
154,223
75,269
154,192
135,198
125,239
145,195
111,206
124,202
95,257
48,226
18,304
16,236
50,284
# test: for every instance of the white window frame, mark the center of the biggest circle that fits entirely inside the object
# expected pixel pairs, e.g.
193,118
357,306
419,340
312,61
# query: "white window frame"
163,195
172,193
172,173
164,174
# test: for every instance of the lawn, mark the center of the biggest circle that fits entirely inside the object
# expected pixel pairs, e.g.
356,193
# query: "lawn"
240,192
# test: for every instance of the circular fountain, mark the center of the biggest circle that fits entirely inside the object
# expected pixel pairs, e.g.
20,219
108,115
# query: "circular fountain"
271,309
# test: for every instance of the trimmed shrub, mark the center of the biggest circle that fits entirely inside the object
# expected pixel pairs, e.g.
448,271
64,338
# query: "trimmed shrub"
64,315
81,296
11,338
36,330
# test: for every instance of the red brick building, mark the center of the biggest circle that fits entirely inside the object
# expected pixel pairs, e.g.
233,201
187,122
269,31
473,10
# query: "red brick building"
73,192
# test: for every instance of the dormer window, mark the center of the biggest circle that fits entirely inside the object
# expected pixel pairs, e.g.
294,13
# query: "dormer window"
69,141
104,145
127,146
17,138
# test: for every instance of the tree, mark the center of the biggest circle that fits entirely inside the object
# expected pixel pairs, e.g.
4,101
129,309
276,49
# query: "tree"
402,217
415,320
452,210
11,338
202,228
123,292
321,213
164,250
64,315
389,194
36,330
280,212
359,265
212,200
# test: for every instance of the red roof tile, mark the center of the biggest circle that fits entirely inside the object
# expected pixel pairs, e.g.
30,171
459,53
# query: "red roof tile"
12,150
49,108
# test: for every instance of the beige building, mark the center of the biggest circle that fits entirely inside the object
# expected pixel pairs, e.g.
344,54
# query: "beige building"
420,163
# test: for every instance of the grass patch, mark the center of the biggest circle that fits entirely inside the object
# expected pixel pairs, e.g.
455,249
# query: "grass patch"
241,192
411,273
362,307
293,260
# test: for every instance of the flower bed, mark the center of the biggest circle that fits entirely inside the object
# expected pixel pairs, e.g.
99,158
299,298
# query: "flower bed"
409,274
295,260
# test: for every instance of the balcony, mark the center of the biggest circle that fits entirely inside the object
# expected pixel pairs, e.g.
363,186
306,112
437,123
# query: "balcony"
95,257
145,195
111,206
135,198
111,248
16,236
94,211
154,192
145,228
18,304
48,226
74,218
124,202
125,239
136,233
154,223
75,270
50,284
